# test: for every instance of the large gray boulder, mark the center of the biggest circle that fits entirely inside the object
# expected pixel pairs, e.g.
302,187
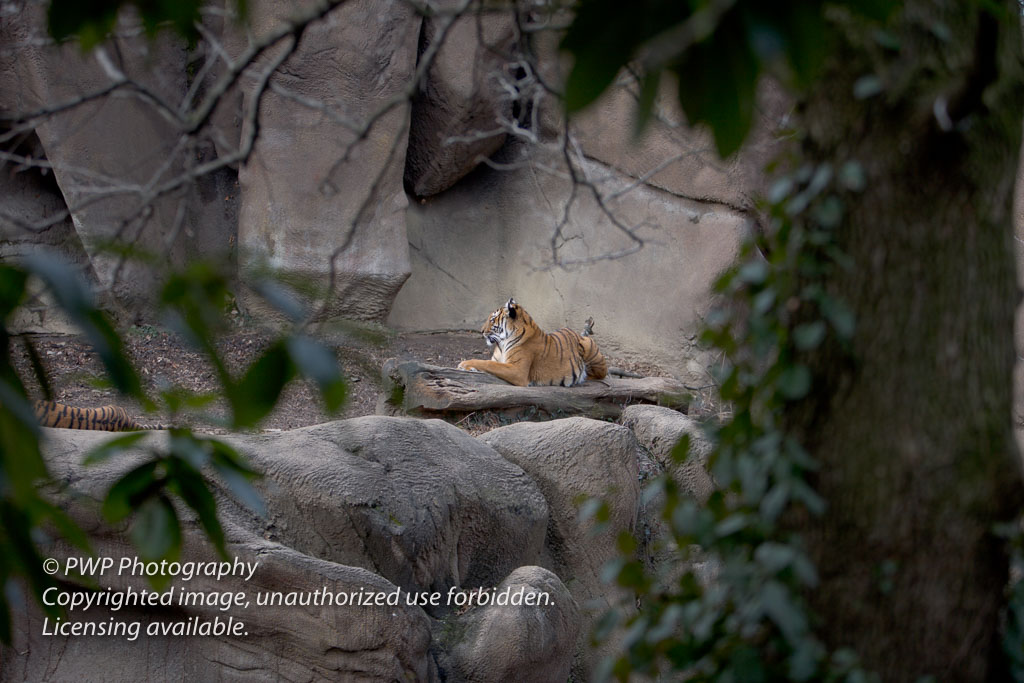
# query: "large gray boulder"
534,639
276,641
320,198
464,107
419,502
659,429
372,505
571,460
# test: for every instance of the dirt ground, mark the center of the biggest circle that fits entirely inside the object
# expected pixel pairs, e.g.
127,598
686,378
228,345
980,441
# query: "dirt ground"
75,373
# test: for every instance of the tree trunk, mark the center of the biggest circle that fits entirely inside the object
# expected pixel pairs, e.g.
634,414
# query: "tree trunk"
912,424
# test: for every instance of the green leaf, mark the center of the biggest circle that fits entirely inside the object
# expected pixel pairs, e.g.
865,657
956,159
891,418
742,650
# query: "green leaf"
654,488
625,543
256,394
90,21
852,176
839,316
780,608
12,289
228,464
22,461
601,41
109,448
75,298
281,299
631,575
606,624
809,497
781,189
794,382
317,362
746,665
867,86
754,272
129,490
774,557
774,502
717,83
763,301
730,525
589,509
190,448
155,532
681,451
649,84
192,488
795,29
610,570
809,335
66,527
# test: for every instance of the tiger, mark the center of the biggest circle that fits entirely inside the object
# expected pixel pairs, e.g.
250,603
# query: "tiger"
104,418
524,354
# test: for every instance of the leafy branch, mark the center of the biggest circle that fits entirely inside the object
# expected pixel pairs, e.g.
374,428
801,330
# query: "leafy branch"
193,303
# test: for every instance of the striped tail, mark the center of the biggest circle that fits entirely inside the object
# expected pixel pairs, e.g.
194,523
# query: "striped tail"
597,367
104,418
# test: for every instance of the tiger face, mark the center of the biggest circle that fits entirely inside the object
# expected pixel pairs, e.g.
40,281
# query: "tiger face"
501,324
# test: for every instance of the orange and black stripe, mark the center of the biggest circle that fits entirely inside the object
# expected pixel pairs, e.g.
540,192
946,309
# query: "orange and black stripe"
104,418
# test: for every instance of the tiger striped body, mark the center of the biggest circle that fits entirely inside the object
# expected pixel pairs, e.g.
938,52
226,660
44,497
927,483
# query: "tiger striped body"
524,354
104,418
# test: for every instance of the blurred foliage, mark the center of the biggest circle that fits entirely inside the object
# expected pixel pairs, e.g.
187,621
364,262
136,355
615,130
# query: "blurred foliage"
716,49
1013,626
91,21
194,303
749,622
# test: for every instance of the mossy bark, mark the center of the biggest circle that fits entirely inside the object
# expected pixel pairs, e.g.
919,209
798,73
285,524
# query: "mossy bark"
912,422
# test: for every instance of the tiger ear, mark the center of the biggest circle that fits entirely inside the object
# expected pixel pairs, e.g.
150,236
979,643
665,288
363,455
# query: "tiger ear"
511,308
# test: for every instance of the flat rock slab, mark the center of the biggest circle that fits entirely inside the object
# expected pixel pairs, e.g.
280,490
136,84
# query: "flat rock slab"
413,388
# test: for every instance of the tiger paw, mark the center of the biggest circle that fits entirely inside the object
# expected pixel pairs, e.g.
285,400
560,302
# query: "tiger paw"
467,365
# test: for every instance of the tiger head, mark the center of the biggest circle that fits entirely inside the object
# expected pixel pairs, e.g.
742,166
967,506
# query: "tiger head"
504,322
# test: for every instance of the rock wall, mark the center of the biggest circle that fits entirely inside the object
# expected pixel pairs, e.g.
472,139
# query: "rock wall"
110,156
321,201
553,236
323,195
490,236
376,504
345,134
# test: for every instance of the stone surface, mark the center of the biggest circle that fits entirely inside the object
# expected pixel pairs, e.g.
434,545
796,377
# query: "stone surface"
28,196
496,643
574,459
659,430
675,157
460,114
110,154
316,193
294,643
418,499
431,390
419,502
490,236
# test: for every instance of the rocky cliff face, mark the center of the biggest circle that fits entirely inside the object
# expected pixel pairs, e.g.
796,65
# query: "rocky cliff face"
480,542
299,149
